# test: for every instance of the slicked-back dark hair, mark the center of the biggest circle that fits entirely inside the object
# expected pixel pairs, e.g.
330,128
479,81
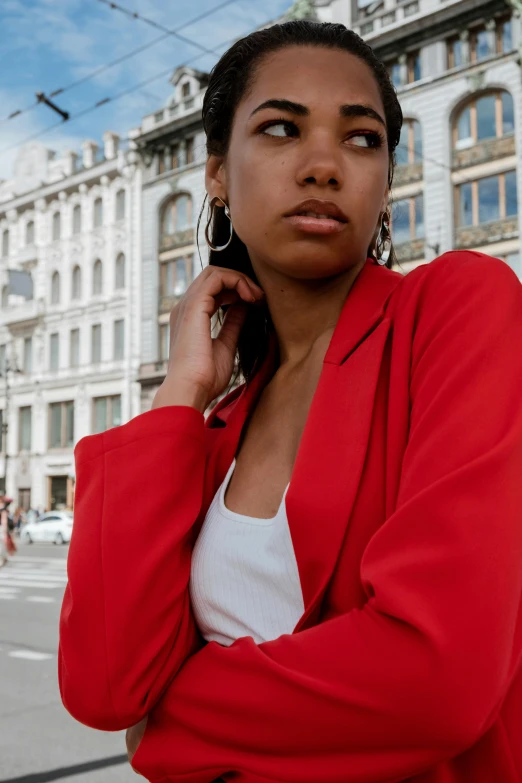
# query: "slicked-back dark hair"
229,81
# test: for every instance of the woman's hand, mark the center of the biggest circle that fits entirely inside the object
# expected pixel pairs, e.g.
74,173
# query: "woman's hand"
200,367
133,737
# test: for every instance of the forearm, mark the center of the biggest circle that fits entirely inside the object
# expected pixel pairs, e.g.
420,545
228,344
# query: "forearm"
126,625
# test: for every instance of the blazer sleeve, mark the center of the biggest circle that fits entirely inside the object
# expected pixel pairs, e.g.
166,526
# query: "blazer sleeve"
418,674
126,625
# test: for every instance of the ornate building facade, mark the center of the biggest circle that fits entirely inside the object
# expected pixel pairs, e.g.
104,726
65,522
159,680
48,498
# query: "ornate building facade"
69,346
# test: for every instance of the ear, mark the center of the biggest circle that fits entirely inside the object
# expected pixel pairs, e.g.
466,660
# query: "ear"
384,203
216,178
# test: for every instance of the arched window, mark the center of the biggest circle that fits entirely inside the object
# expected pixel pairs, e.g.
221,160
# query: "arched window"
175,276
98,213
5,243
119,272
489,116
29,233
77,219
97,277
76,283
120,205
55,288
57,226
409,149
177,215
5,296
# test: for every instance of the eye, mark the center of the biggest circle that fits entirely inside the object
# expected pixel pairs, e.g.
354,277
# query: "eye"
368,140
281,129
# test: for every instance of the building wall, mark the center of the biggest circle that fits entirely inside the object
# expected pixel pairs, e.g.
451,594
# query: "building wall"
39,318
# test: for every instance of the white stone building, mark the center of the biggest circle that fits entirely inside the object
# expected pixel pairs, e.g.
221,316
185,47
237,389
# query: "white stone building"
171,145
69,355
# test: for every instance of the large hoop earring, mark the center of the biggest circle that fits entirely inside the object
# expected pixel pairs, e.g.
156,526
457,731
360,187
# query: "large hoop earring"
213,205
383,245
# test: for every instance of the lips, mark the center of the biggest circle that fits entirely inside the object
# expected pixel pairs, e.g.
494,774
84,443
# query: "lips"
319,209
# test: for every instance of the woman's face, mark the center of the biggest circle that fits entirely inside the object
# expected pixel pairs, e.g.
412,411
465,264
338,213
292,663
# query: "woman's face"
310,128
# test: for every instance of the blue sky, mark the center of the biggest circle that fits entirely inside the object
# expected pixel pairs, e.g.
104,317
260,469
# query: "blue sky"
49,44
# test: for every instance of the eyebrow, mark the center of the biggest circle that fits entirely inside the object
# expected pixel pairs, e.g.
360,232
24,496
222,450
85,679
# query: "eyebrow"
347,110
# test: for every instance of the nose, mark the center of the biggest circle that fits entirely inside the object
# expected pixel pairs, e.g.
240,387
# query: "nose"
321,164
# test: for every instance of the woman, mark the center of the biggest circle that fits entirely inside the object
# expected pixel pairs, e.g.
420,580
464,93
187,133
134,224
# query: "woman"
334,594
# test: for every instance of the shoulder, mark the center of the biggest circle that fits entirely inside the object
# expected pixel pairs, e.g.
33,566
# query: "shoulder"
455,281
467,269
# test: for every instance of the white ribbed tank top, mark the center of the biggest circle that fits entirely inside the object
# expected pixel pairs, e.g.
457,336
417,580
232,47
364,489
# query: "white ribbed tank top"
244,579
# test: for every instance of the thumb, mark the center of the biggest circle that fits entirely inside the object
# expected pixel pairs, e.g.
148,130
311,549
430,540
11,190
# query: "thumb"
233,323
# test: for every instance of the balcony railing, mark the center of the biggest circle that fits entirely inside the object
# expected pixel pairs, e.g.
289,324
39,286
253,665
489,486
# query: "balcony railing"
409,172
410,251
484,151
486,233
180,238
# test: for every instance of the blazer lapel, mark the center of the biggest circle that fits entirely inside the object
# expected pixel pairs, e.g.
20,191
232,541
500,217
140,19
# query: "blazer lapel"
333,446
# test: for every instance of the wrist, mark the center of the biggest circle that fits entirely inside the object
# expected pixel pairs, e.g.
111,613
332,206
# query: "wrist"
176,393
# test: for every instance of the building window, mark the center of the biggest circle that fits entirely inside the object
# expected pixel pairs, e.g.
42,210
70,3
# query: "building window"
488,117
96,343
5,296
57,226
455,58
119,272
74,348
120,205
5,243
407,219
76,292
189,150
3,358
414,67
409,149
161,162
97,277
505,36
28,355
395,74
54,360
486,199
29,233
61,425
174,276
106,413
77,219
164,341
119,339
177,215
24,428
55,288
185,90
98,213
174,156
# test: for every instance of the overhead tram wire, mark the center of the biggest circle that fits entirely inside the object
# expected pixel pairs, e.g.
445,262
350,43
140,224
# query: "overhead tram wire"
118,60
112,99
152,23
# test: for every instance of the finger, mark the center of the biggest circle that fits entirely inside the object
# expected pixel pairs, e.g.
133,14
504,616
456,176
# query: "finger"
233,323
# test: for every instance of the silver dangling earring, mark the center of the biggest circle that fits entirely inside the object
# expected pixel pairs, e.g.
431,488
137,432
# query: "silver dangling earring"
213,205
385,246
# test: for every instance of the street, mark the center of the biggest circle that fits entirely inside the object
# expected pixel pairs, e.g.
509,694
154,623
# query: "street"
39,741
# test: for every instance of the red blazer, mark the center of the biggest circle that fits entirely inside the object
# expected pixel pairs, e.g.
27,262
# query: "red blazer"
405,509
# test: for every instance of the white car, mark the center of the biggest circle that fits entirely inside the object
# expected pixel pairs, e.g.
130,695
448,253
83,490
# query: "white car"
54,526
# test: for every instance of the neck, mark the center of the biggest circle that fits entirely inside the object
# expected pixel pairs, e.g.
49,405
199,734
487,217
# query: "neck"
304,312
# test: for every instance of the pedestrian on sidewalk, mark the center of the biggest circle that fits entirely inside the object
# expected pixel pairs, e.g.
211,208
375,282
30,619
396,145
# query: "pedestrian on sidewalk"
7,545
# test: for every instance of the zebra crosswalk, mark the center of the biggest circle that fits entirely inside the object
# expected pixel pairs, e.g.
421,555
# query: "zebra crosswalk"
33,579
